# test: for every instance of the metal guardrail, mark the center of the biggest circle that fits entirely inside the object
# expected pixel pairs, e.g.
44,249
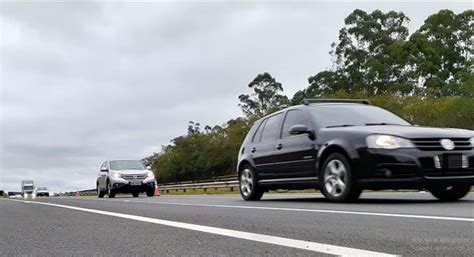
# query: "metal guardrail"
232,184
229,182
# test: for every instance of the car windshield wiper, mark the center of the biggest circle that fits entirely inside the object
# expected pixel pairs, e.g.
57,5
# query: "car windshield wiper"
341,125
381,123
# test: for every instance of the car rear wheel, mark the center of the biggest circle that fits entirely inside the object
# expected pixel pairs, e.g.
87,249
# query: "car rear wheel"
135,194
248,184
337,183
450,193
110,191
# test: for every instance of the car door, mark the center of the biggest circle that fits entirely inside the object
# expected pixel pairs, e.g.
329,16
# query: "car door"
263,146
295,154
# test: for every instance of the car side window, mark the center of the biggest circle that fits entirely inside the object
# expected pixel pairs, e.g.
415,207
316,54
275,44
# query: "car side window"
271,128
293,117
256,136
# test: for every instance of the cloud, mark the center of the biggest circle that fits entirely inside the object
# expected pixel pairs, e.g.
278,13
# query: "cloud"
86,82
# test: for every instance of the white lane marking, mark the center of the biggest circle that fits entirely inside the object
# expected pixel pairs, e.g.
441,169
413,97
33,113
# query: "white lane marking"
413,216
381,214
275,240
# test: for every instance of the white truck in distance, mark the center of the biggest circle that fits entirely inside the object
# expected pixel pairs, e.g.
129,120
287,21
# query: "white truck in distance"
28,189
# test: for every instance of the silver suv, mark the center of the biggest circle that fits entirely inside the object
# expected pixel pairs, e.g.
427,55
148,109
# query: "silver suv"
125,176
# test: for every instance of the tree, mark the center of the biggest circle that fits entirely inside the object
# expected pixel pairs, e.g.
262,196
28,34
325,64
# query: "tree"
374,55
265,98
442,50
369,55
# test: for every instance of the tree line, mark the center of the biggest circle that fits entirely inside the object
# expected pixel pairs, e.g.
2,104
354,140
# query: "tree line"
426,77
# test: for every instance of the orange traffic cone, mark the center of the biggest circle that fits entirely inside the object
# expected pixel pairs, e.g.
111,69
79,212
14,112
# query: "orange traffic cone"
157,190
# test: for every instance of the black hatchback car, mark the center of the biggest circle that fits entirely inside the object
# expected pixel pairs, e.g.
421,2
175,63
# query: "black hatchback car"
344,146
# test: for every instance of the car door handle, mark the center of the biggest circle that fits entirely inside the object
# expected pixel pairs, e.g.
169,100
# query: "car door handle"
279,146
253,150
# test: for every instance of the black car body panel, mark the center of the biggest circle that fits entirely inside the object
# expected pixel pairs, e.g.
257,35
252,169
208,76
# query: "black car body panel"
295,161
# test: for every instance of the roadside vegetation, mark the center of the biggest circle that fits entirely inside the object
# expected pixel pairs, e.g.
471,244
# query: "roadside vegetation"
426,77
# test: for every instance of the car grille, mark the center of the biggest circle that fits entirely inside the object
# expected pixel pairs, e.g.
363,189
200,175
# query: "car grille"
434,144
130,177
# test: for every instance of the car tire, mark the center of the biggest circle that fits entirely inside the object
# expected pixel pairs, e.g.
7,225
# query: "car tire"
450,193
337,183
110,191
135,194
249,189
100,194
150,193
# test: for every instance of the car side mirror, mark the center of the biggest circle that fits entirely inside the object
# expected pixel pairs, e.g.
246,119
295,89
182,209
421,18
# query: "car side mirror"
301,129
298,129
104,170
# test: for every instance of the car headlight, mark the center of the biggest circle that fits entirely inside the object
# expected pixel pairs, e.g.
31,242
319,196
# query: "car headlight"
472,141
150,174
116,174
387,142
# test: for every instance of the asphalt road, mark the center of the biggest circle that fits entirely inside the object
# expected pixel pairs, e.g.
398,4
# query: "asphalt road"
408,224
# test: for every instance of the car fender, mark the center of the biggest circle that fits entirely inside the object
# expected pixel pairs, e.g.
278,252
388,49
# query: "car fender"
341,145
245,158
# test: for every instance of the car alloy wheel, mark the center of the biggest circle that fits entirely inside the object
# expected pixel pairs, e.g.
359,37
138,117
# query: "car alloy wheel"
100,194
248,184
110,191
335,178
337,183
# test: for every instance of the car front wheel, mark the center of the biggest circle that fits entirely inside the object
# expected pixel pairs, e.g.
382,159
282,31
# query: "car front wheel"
150,193
100,194
337,183
110,191
450,193
248,184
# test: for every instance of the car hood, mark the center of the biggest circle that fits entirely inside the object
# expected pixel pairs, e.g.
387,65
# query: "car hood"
128,172
409,131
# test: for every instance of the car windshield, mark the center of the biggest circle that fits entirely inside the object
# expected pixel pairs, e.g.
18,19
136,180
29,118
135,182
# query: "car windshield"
126,165
354,115
28,188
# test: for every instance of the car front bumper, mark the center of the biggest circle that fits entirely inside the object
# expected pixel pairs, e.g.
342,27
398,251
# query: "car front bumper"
411,168
128,186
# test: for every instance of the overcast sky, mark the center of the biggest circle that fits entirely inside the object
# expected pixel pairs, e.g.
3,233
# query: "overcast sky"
86,82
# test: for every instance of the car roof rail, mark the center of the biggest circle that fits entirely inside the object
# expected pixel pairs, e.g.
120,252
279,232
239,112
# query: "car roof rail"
335,100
